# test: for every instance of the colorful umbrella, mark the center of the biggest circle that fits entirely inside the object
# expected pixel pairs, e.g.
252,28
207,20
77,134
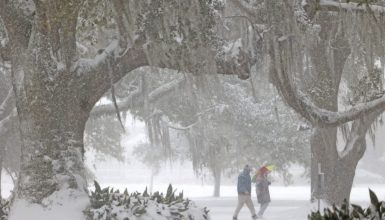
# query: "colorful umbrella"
262,170
270,167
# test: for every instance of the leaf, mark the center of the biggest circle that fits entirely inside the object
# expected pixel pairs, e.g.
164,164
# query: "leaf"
373,198
97,187
358,208
145,194
169,191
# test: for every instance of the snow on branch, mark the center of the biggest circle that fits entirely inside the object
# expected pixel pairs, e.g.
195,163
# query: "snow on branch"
330,5
5,50
7,105
250,13
124,105
93,73
14,17
127,102
329,118
358,131
7,121
319,116
164,89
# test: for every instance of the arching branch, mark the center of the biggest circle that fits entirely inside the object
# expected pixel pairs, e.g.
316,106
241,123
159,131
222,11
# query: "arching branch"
307,109
128,102
93,73
164,89
329,5
358,131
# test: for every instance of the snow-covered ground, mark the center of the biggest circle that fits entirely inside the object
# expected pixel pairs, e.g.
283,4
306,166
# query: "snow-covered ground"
289,203
223,208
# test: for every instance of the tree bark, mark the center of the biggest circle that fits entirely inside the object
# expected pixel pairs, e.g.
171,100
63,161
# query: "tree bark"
217,183
338,167
339,171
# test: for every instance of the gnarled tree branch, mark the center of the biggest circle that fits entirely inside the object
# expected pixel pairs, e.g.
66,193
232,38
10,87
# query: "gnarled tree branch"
93,73
129,100
7,105
17,24
358,131
5,51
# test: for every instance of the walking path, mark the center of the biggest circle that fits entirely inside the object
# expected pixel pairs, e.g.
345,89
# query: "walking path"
223,208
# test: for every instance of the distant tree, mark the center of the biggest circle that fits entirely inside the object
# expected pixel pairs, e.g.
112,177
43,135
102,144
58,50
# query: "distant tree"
103,135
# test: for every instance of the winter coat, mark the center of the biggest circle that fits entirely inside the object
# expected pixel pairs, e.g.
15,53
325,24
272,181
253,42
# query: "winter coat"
244,182
262,188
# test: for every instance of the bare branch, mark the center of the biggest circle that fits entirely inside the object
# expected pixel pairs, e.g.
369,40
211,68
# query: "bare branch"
7,105
7,121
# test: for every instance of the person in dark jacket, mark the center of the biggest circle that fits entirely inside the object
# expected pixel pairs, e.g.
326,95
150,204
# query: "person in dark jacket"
244,193
262,189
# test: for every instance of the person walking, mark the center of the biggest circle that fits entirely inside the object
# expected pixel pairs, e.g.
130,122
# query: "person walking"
244,193
262,189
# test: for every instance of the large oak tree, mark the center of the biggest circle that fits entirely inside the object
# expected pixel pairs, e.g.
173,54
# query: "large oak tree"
55,89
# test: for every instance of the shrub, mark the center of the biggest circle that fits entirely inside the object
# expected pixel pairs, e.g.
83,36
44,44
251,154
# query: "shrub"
4,209
107,204
376,211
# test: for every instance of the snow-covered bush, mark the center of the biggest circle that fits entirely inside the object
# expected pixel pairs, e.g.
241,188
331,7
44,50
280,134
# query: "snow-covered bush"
107,204
376,211
4,209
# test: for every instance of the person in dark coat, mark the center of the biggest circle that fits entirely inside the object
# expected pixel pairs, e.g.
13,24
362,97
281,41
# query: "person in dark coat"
262,189
244,193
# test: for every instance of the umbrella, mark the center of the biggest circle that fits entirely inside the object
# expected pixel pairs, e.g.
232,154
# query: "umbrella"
262,170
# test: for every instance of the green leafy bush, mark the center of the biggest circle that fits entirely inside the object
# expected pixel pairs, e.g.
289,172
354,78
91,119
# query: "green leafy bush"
107,204
376,211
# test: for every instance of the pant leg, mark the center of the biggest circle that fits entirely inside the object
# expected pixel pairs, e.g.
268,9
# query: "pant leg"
250,205
241,202
263,208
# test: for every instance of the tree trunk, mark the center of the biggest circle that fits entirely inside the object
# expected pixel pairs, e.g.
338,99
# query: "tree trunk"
151,188
52,169
1,168
338,171
217,183
52,117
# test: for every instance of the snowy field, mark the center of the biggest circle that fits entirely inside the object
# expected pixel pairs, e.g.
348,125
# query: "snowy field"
288,203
